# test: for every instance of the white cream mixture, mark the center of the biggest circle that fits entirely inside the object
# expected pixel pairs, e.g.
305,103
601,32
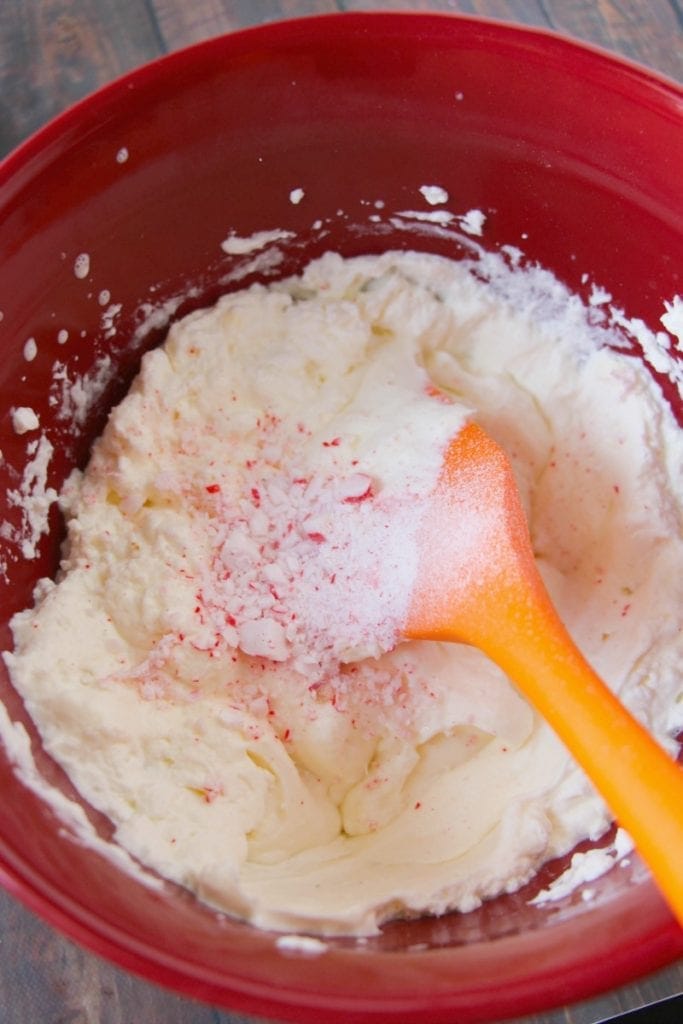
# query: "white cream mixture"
208,667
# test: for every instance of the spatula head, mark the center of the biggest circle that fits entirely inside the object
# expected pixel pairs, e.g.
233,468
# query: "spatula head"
475,552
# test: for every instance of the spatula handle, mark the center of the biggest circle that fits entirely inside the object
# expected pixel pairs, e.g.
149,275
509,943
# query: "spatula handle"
641,784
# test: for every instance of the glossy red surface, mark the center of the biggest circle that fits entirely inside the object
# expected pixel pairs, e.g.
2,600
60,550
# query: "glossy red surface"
573,155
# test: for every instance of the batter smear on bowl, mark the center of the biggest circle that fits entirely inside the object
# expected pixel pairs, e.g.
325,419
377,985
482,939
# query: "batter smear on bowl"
217,665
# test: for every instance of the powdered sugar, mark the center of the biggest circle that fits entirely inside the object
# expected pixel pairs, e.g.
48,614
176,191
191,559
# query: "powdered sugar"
463,537
314,564
313,570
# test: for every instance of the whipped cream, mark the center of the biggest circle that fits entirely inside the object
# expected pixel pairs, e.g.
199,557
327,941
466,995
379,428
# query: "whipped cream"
216,667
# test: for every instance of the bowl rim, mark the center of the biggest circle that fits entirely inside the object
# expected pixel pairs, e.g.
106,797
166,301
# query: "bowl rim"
667,88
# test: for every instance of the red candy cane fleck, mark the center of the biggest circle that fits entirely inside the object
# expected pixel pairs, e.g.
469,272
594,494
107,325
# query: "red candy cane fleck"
357,498
434,392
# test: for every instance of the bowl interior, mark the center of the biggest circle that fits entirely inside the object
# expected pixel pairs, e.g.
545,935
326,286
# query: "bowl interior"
573,156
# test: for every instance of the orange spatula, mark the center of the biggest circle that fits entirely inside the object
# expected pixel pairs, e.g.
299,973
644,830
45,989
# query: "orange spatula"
477,583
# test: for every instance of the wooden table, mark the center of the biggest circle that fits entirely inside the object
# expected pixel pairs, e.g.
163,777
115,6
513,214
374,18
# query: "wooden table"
52,52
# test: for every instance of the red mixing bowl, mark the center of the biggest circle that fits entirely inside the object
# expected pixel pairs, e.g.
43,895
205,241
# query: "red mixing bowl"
573,155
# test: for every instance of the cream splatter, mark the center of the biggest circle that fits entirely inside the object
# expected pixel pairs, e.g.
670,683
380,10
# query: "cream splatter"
24,419
435,195
82,266
30,350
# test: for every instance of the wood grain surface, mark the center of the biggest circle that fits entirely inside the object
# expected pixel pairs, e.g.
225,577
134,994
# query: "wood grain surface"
52,53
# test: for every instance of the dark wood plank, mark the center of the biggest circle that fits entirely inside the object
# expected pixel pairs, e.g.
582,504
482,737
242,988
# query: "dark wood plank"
46,979
650,33
53,52
181,22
